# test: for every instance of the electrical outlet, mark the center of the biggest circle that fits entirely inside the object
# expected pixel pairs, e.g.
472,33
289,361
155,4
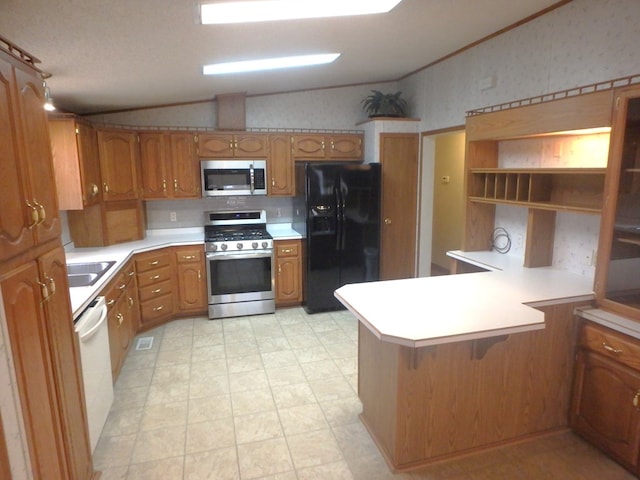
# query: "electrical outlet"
173,217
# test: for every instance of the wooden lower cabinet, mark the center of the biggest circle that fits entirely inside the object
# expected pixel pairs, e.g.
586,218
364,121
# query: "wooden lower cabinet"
46,356
191,280
605,408
288,272
154,274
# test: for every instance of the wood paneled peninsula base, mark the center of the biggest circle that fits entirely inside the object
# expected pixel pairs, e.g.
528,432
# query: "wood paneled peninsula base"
429,398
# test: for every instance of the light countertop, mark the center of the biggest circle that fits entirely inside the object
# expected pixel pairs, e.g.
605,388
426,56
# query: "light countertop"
418,312
81,297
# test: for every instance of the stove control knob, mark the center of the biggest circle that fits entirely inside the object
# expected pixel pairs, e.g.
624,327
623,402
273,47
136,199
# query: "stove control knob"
264,244
223,247
254,245
239,245
214,247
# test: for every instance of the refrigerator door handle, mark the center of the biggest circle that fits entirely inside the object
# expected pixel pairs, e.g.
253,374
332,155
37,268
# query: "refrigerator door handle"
341,217
336,195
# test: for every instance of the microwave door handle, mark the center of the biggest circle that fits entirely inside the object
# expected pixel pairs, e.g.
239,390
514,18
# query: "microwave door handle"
252,181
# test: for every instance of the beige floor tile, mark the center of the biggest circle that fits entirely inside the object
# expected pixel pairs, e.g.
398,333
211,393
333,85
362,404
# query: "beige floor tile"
208,386
267,457
115,473
342,411
209,368
257,426
334,471
122,421
335,337
311,354
208,339
159,444
175,342
252,401
179,328
341,350
245,337
303,418
291,475
298,331
204,326
221,464
165,469
321,370
247,363
240,382
280,358
285,375
314,448
240,349
273,344
332,388
171,374
168,393
287,396
174,357
207,352
164,415
207,408
113,451
142,360
129,397
210,435
140,377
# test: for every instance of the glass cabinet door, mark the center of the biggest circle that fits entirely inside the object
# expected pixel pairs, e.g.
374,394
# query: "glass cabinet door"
620,246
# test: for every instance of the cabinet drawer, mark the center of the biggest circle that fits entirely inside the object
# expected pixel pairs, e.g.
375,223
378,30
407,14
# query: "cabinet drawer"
154,276
154,290
287,249
150,262
115,288
156,308
189,255
612,344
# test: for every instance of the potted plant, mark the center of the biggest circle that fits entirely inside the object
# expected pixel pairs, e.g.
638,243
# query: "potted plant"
379,104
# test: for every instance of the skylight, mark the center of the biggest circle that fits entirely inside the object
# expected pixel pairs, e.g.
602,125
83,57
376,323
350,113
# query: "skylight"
268,64
267,10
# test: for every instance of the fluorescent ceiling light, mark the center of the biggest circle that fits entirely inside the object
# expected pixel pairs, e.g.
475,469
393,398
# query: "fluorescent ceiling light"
266,10
268,64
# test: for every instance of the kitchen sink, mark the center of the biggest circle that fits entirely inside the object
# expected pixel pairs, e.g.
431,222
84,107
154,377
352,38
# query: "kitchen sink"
86,274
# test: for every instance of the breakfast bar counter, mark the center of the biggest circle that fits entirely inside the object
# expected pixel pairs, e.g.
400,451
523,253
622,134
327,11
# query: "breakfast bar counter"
454,364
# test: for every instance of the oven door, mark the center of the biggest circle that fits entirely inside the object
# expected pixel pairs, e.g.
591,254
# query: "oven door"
240,276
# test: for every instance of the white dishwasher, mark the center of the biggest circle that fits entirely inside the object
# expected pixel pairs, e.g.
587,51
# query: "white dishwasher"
92,330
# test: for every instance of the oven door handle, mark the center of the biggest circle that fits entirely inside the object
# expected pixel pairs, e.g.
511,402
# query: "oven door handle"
252,180
238,255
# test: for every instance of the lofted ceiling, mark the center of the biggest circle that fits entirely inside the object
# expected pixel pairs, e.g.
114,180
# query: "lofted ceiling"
107,55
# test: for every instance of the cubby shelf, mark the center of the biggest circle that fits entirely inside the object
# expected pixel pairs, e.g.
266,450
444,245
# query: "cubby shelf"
558,189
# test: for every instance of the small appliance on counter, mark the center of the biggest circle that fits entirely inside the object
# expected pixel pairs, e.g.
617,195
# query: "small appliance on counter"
240,263
339,213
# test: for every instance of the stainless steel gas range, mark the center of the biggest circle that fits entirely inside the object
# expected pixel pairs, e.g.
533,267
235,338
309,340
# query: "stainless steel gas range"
240,263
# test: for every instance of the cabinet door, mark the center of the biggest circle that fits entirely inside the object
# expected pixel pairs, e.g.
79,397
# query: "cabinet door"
26,323
37,149
289,272
118,164
185,166
66,362
250,146
15,235
281,167
89,164
192,294
603,406
308,146
154,162
215,145
345,147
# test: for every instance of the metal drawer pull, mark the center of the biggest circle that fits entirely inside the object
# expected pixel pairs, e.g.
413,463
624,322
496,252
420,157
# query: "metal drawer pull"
157,290
188,257
120,318
110,302
636,399
610,349
155,277
286,250
157,309
155,262
123,286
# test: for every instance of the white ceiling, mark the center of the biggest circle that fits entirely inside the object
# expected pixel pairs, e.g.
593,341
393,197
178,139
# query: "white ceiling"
116,54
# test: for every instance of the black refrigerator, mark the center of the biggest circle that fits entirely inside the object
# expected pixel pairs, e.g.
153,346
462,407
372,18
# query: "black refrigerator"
338,210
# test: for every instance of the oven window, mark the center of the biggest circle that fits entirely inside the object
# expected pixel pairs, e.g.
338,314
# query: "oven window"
226,179
240,275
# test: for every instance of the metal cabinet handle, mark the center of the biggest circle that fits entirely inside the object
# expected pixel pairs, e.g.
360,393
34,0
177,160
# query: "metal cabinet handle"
120,318
35,218
157,290
155,262
130,302
42,214
155,277
610,349
157,309
188,257
132,273
175,184
387,221
636,399
52,285
110,302
286,250
93,189
45,290
123,286
106,187
164,185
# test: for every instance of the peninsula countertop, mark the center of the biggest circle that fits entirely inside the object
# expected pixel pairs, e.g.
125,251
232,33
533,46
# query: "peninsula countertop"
81,297
418,312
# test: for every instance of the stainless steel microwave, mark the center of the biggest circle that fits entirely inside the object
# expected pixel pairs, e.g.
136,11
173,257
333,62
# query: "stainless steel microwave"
233,177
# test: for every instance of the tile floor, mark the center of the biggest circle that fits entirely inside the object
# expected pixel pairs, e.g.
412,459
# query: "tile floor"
274,397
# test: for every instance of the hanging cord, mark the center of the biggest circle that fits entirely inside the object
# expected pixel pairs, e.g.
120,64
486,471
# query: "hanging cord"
500,240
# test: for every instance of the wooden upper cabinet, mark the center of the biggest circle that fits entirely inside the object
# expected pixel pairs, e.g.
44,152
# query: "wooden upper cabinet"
154,162
37,149
281,167
185,165
329,146
76,165
25,163
118,164
227,145
169,164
